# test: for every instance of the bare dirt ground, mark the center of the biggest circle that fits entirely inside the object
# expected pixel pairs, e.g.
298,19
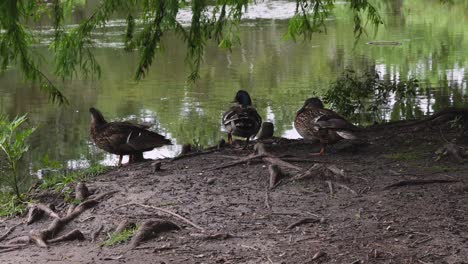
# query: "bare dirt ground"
350,218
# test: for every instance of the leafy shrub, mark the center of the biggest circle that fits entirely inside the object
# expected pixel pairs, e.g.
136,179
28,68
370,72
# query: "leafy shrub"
353,94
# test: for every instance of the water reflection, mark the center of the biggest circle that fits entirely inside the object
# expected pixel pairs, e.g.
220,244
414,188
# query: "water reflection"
278,74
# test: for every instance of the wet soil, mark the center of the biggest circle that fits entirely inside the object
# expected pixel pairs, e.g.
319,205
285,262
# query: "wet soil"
358,220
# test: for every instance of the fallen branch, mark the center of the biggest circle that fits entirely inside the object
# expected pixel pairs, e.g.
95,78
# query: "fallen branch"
417,182
151,229
303,221
165,211
8,232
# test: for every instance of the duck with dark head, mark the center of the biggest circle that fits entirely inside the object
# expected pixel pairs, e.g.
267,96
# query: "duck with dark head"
242,119
314,121
124,138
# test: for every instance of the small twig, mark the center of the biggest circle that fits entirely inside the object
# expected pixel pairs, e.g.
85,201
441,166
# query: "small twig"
346,188
11,246
217,236
8,232
234,163
330,187
303,221
183,156
417,182
267,198
424,240
165,211
12,249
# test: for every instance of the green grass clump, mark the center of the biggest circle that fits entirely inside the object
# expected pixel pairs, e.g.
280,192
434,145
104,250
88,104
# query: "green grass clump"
11,205
405,156
60,181
120,238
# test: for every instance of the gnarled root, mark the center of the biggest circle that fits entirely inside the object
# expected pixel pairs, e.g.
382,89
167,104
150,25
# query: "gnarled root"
72,235
151,229
45,236
36,212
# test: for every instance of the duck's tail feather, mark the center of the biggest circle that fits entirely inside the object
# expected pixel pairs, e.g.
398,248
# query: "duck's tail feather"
346,134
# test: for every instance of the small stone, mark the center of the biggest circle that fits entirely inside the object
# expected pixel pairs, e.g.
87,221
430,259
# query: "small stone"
211,181
156,166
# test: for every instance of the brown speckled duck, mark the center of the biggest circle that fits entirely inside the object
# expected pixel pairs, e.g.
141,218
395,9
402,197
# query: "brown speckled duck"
242,119
313,121
124,138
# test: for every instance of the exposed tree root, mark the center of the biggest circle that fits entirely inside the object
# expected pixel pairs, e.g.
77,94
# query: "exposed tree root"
43,237
217,236
302,222
151,229
72,235
36,211
262,154
165,211
96,233
34,214
124,224
321,172
8,232
275,174
454,151
417,182
19,240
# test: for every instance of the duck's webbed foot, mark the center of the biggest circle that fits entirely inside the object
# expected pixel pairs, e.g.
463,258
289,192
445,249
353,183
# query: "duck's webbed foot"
321,153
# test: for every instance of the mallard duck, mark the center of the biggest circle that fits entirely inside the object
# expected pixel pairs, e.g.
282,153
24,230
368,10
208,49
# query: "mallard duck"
242,119
313,121
124,138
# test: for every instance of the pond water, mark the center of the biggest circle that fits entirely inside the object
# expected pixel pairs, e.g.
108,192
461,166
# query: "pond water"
278,74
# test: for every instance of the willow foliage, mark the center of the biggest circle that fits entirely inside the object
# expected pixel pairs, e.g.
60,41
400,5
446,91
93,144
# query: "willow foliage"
214,20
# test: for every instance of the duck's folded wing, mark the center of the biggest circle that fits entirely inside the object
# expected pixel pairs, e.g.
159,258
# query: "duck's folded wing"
142,140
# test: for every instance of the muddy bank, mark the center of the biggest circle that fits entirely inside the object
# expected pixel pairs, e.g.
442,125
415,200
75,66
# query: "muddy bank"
392,199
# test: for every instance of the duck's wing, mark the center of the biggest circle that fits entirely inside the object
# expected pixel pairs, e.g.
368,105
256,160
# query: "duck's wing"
332,121
131,137
329,119
242,117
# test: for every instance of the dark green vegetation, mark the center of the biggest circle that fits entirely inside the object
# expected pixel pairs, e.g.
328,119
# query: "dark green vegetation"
363,97
13,145
73,47
119,237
